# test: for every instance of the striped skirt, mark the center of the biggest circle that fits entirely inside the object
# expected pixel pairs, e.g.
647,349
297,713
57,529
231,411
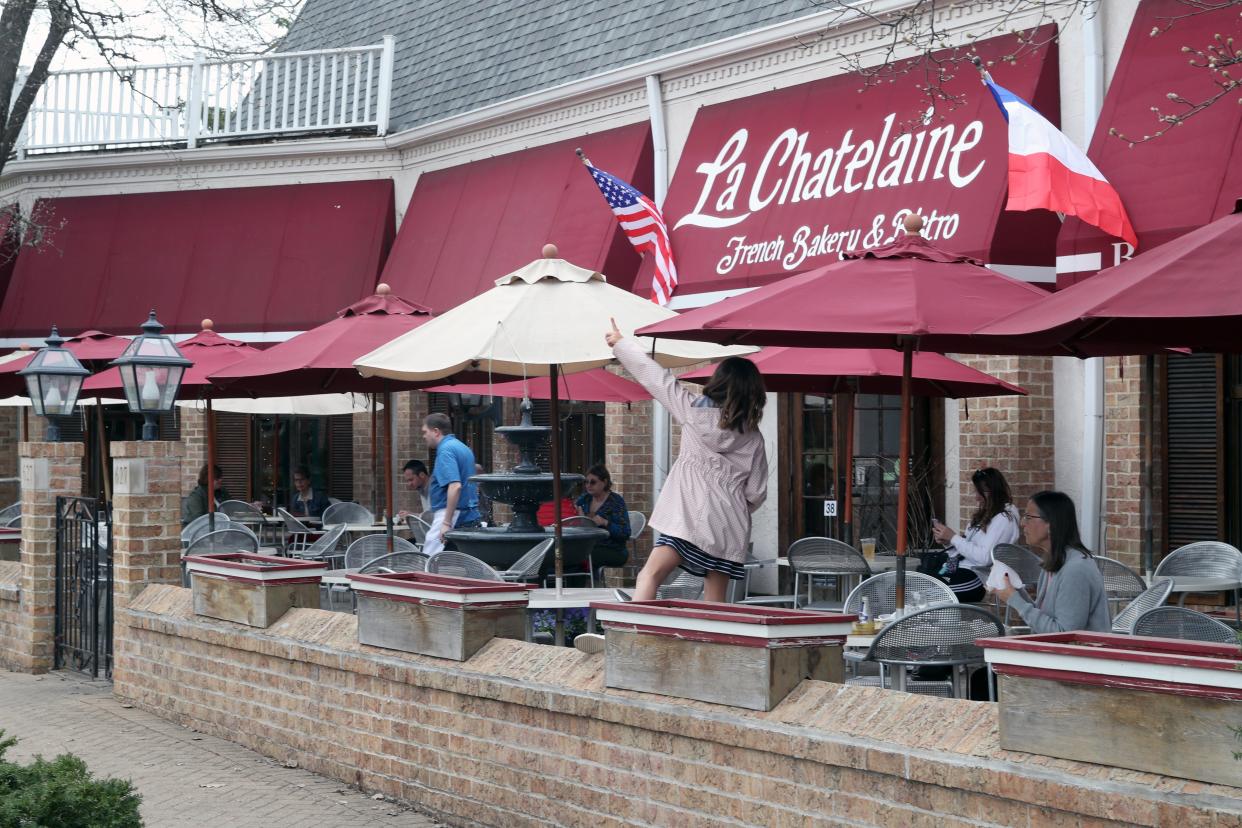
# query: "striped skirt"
697,562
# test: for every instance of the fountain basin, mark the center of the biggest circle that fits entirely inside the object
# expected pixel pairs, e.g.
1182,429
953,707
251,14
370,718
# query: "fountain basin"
501,548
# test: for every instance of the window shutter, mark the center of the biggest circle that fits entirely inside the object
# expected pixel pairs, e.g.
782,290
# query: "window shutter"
341,457
1195,482
233,453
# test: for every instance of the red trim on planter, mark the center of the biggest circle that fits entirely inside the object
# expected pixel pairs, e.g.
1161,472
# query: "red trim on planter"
724,638
439,583
1133,648
239,561
431,602
1119,682
241,579
735,614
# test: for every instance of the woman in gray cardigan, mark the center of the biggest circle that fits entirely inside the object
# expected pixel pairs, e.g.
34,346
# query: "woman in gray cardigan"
1070,595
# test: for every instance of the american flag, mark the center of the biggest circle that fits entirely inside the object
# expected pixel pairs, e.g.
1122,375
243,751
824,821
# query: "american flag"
644,227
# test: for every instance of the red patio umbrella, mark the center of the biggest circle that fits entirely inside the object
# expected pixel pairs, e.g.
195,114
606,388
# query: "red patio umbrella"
209,352
321,360
865,371
906,295
597,385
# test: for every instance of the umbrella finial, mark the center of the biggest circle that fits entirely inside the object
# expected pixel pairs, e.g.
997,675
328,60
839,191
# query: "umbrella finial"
382,289
550,251
913,223
208,324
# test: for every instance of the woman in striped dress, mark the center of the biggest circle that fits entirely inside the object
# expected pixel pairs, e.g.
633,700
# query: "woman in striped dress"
702,519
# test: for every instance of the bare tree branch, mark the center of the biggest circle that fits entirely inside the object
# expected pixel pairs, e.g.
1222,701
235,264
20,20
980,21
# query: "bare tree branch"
58,28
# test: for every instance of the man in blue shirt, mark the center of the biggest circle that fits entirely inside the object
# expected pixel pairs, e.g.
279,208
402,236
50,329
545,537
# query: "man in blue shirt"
454,499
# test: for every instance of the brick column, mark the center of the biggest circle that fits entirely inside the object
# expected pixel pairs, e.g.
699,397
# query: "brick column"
48,470
194,445
627,443
146,517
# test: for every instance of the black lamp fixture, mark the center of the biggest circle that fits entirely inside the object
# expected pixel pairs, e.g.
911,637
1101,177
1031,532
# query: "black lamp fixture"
151,371
54,379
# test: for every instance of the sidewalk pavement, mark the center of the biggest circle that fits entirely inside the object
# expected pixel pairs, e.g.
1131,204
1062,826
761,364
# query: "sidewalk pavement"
185,778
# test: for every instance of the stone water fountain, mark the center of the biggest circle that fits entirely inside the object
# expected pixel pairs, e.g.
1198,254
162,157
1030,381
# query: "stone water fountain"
524,488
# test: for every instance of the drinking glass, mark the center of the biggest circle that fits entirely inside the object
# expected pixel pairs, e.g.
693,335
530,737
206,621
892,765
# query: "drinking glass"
868,548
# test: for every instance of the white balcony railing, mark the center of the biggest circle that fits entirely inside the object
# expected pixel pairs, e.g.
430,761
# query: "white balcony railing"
332,90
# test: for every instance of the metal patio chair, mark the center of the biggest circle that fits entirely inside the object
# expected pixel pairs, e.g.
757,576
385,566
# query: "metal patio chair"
1148,599
1121,583
1189,625
1205,559
297,533
1023,561
526,569
324,548
461,565
396,562
684,586
203,524
881,592
233,539
9,512
942,636
366,549
347,513
824,558
418,529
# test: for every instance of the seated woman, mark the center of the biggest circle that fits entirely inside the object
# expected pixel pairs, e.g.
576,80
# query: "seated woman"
1070,595
307,502
607,508
196,503
994,522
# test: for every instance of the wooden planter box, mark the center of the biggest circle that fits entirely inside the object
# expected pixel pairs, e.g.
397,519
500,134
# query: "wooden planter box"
437,615
1151,704
735,654
255,590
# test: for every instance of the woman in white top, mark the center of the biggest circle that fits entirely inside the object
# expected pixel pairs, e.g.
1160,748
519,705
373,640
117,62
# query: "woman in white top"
995,522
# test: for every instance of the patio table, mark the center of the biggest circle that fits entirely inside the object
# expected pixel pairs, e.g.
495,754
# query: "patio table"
1186,584
570,598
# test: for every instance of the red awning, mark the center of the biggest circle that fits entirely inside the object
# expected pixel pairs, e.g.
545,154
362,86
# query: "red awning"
782,182
469,225
8,246
258,259
1182,180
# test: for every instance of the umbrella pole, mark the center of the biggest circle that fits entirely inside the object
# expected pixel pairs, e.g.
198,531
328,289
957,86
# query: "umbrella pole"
375,489
903,472
848,460
554,400
103,455
388,466
211,467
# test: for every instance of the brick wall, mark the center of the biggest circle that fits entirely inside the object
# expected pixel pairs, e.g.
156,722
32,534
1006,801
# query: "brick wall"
628,455
11,618
146,516
10,419
407,443
1014,434
193,446
1124,393
527,735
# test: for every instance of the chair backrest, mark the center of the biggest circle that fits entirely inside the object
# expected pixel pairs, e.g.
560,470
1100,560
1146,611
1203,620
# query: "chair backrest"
881,590
1021,560
528,567
1206,559
418,528
241,511
937,634
827,556
1148,599
347,513
638,522
1120,581
427,516
685,586
332,501
579,520
203,524
461,565
292,524
397,562
10,512
14,522
1179,622
368,548
325,544
234,539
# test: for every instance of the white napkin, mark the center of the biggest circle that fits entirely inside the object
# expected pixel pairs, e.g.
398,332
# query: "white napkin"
996,580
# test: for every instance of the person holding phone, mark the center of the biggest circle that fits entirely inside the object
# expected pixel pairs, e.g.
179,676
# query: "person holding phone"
994,522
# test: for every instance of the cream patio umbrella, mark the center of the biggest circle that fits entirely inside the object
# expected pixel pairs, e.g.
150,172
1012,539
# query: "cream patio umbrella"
544,319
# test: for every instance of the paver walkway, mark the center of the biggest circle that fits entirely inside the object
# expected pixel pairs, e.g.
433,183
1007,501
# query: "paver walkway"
185,778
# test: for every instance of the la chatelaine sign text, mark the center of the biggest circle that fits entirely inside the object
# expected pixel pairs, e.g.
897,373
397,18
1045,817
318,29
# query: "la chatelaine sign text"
799,167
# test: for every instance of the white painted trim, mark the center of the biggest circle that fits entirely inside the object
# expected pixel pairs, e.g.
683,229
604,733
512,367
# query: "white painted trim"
1027,273
263,574
1098,666
769,632
434,595
1079,262
689,301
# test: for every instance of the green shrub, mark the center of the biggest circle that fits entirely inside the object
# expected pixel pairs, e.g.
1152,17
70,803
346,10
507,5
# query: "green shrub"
62,793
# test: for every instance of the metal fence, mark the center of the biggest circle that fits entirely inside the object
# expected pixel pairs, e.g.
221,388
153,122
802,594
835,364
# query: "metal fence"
83,586
174,104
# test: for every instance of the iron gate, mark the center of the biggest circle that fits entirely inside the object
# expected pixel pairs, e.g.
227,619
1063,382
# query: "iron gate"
83,586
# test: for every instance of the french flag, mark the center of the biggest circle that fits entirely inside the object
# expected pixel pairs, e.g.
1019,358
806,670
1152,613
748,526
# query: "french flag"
1046,171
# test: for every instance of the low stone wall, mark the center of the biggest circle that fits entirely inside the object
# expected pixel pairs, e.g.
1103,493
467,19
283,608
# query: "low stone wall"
10,615
524,734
